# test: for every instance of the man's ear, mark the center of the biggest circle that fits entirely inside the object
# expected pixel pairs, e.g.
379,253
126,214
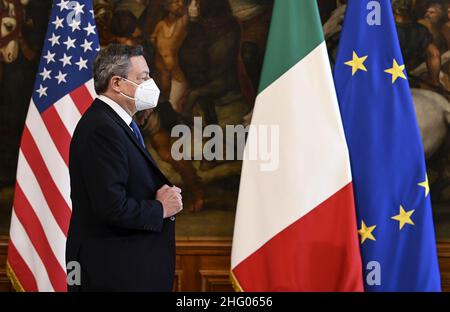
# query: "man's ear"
114,83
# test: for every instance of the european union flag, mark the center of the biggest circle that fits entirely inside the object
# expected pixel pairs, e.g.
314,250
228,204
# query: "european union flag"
391,186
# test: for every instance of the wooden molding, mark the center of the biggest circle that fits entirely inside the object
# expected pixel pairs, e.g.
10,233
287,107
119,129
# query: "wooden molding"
203,264
215,280
204,245
5,284
443,248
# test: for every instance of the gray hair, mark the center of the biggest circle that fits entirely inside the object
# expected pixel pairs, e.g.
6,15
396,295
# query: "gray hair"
114,60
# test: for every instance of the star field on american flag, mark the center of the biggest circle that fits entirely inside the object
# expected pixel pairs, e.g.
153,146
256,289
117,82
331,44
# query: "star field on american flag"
69,49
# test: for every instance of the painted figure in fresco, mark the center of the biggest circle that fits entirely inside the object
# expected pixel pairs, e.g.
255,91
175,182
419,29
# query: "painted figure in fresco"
254,20
446,26
168,37
434,20
11,39
416,41
209,56
10,31
125,28
10,20
332,28
104,11
23,27
17,18
115,17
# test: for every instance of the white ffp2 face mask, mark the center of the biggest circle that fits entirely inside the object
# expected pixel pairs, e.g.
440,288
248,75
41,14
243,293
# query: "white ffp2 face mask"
146,95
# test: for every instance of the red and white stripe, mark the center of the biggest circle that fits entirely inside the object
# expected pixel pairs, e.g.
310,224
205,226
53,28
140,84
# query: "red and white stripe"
42,205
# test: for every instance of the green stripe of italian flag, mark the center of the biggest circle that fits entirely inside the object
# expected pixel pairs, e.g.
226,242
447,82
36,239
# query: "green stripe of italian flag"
295,227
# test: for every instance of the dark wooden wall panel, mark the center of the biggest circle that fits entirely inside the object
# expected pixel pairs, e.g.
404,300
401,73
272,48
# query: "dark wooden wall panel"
444,264
203,264
5,285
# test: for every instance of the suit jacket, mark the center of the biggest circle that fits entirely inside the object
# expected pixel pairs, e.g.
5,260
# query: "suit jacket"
117,232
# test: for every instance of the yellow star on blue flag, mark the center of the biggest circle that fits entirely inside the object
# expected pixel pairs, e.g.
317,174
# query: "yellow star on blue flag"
357,63
396,71
425,185
404,217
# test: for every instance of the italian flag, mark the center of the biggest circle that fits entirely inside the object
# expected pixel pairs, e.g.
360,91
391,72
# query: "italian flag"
295,227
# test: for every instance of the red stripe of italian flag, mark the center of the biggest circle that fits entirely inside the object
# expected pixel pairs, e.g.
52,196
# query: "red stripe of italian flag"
295,227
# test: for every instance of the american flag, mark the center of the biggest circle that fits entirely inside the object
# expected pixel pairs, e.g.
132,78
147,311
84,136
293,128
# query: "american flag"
63,90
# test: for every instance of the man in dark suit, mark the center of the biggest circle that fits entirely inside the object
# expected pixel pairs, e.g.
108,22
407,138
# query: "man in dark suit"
122,229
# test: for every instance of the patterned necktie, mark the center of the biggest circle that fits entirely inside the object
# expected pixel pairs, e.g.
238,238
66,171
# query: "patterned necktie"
137,133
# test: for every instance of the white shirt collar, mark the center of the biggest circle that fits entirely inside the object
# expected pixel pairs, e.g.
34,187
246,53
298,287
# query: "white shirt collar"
117,108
